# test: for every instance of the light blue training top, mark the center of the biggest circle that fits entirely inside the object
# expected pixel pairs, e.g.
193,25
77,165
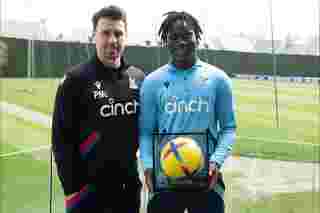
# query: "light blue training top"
191,100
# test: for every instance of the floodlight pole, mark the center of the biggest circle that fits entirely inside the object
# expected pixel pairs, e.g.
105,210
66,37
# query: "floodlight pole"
318,71
51,182
319,60
204,13
155,21
317,155
0,16
318,54
274,68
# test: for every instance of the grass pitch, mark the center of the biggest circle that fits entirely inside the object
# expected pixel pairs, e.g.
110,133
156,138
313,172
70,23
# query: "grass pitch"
24,177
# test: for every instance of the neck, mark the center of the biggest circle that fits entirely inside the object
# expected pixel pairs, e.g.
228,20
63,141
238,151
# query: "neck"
185,64
113,66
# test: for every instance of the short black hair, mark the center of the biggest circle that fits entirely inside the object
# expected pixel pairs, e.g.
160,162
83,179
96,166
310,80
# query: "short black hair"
172,17
114,12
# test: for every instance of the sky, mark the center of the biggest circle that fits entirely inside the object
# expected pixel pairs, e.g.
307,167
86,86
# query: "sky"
217,17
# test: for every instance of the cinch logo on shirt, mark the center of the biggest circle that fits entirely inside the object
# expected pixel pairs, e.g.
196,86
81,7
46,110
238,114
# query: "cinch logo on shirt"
196,104
117,109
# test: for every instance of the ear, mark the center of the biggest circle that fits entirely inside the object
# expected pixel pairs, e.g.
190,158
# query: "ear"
93,37
197,43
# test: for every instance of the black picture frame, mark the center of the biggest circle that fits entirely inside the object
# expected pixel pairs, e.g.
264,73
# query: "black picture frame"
197,182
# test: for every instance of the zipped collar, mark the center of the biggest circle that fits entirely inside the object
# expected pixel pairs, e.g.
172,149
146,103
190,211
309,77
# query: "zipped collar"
109,73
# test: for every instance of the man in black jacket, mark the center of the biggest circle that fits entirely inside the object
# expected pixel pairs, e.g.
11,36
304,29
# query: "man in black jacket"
94,129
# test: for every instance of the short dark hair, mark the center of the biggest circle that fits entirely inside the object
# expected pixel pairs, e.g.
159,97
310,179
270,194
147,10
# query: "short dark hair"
172,17
114,12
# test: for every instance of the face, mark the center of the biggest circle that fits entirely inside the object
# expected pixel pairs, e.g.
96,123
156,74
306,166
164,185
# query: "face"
182,44
111,40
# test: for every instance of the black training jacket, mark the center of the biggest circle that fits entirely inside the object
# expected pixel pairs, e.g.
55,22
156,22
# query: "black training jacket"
94,127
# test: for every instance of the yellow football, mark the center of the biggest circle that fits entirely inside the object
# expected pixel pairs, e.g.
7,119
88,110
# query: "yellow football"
181,157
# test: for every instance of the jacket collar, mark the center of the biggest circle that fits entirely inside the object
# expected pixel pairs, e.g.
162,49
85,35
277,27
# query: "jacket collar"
109,73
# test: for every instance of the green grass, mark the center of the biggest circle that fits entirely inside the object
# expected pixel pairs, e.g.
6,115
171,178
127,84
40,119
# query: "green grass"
258,134
24,178
24,185
21,134
277,203
277,151
283,203
34,94
298,111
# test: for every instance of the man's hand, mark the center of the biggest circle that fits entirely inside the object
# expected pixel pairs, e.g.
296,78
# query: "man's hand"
148,179
213,174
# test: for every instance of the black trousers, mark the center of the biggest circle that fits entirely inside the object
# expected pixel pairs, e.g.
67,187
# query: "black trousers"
119,191
194,202
115,189
119,197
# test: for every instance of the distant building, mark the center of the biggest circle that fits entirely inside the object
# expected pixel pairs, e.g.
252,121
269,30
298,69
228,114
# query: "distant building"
294,47
27,30
80,34
312,46
265,46
232,43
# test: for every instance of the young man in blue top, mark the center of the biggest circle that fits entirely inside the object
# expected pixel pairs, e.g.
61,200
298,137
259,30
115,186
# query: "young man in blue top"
187,95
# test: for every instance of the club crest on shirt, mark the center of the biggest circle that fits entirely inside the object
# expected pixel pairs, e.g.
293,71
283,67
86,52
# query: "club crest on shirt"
132,83
166,84
202,80
98,84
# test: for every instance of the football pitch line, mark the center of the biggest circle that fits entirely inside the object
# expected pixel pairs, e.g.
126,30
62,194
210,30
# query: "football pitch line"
262,140
45,120
25,151
279,141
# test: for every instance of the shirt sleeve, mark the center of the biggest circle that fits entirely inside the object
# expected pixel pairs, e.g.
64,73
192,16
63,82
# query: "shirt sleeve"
225,114
147,123
65,136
